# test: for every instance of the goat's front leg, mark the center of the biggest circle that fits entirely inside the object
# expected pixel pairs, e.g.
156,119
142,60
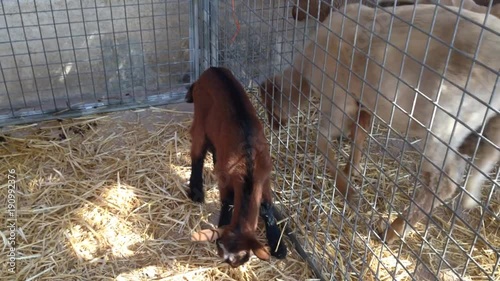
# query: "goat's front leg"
358,137
211,149
198,153
342,184
273,232
226,211
335,120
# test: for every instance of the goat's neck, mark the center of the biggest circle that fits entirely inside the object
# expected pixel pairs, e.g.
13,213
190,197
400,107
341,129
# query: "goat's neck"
246,210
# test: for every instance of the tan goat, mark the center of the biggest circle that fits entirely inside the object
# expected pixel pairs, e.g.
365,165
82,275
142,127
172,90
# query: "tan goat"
320,9
420,103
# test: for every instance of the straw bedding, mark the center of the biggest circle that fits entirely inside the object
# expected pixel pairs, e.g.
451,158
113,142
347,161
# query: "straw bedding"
104,198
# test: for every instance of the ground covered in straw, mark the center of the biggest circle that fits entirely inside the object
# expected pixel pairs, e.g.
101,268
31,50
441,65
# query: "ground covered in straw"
103,198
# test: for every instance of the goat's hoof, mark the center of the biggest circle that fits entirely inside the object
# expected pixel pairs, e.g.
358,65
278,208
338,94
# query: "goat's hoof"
353,198
394,231
197,196
281,252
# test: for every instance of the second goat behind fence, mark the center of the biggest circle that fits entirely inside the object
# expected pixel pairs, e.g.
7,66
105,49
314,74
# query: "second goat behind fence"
438,94
226,124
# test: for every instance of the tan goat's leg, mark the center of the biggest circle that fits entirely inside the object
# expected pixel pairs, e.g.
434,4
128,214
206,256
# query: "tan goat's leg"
434,183
397,228
486,157
331,159
337,113
424,201
358,137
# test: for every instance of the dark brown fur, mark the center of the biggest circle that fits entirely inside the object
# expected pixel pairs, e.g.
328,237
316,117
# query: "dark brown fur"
225,123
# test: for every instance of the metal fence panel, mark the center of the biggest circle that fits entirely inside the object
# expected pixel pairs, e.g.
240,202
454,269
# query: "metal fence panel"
259,39
58,57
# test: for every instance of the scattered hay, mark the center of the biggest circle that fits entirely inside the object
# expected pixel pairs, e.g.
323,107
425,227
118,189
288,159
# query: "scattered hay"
103,198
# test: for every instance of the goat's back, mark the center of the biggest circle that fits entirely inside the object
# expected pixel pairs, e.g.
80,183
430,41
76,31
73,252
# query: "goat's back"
223,109
218,93
425,85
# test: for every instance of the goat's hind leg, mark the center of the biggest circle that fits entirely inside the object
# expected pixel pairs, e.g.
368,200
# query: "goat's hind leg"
198,153
358,137
486,157
211,149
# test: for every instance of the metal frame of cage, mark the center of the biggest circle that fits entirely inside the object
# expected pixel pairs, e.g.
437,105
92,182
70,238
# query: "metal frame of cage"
219,30
39,41
268,45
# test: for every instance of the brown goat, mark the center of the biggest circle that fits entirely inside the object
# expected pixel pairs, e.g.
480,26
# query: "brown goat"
442,113
225,123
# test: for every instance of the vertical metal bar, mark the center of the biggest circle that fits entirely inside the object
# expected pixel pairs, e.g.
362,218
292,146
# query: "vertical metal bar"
115,46
127,31
144,81
193,39
73,47
7,90
168,45
63,69
214,28
105,74
157,62
205,46
88,49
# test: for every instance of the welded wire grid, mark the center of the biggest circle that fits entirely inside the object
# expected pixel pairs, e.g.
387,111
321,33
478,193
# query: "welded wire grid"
57,56
342,242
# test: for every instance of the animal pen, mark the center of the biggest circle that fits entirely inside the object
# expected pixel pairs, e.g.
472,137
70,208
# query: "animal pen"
94,151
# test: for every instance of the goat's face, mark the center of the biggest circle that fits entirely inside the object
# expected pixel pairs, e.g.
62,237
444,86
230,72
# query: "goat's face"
270,94
234,248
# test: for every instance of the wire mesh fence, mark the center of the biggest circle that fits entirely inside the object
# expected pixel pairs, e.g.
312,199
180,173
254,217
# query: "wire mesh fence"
364,102
420,112
61,56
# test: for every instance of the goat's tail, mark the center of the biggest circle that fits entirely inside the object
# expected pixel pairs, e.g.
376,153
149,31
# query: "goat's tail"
189,95
248,149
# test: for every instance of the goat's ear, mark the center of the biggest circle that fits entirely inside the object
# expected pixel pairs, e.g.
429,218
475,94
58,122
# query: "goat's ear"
266,88
262,253
259,249
206,235
189,95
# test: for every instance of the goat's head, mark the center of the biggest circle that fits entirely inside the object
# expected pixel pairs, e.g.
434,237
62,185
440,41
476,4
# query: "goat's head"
234,248
270,94
282,101
301,10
